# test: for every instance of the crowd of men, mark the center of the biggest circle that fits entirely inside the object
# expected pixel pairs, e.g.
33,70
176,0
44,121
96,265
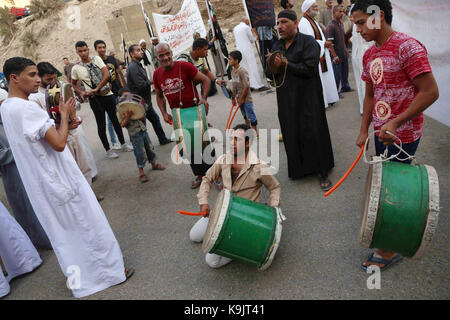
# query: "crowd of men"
45,163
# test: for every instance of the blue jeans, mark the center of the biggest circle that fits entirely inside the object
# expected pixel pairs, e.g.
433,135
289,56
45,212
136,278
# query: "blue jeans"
142,148
411,148
249,113
341,74
111,132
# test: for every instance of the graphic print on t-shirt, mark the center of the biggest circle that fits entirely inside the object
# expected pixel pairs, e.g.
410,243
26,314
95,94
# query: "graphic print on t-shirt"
172,86
383,110
112,72
376,71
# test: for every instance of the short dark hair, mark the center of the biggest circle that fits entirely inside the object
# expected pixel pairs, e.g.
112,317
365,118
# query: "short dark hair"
236,55
340,2
284,3
131,48
337,7
384,5
123,90
200,43
16,66
80,44
97,42
46,68
65,58
245,128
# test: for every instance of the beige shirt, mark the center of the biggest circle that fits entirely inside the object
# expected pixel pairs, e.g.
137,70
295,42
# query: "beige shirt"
240,80
249,182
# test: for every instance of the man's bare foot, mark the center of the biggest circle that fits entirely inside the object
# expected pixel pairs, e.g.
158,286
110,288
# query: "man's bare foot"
100,198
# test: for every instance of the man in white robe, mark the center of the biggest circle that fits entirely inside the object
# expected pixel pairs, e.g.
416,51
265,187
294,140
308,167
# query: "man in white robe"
359,47
244,43
62,199
147,61
49,77
310,10
17,253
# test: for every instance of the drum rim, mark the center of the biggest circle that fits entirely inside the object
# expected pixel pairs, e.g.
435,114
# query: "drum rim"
432,213
216,223
371,204
274,248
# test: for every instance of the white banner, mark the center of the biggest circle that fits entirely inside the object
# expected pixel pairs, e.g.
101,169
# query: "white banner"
427,21
177,30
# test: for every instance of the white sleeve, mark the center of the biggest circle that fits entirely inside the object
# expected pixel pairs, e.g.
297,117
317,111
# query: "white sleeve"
35,122
99,62
250,35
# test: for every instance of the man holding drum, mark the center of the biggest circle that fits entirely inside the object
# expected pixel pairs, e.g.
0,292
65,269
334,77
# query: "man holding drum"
399,87
175,81
243,174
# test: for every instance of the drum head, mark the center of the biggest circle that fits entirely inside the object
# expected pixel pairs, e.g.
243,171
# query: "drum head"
371,203
216,219
138,110
67,92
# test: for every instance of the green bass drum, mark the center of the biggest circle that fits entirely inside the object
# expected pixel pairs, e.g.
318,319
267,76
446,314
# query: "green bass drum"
244,230
190,124
401,208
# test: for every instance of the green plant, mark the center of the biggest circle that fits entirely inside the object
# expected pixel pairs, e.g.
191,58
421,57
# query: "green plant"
29,44
41,8
7,26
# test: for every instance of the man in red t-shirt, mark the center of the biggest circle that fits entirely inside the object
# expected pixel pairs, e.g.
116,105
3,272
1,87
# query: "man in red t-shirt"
399,87
175,81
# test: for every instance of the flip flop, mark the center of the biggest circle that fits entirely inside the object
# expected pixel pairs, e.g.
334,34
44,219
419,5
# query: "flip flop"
196,183
129,273
324,180
143,178
159,167
387,263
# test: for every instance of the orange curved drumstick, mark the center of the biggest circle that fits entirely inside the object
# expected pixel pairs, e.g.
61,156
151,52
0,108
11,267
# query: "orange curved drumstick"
192,213
346,174
229,125
229,116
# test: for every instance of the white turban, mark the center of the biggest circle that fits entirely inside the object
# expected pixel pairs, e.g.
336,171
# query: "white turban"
307,4
3,95
154,38
142,41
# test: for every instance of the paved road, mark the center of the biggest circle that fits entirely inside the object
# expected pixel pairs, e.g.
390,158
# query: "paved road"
319,255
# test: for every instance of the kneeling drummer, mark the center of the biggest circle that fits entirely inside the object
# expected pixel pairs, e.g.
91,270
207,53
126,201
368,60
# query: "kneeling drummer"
243,174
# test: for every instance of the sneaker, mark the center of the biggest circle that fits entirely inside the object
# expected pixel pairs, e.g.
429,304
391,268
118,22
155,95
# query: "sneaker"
116,146
126,147
111,154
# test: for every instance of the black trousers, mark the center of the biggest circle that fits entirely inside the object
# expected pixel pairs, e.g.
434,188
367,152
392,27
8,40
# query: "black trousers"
201,168
99,106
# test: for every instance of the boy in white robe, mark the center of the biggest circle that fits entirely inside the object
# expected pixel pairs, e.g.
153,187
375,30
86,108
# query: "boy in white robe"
60,195
17,253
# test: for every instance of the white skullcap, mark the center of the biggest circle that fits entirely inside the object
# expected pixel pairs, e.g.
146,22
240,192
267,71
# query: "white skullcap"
3,95
307,4
142,41
154,38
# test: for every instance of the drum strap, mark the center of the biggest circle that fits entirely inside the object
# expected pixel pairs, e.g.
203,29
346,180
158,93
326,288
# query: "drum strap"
193,89
248,173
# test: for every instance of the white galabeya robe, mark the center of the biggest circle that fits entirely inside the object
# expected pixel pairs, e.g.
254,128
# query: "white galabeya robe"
330,92
16,250
63,201
244,43
359,47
